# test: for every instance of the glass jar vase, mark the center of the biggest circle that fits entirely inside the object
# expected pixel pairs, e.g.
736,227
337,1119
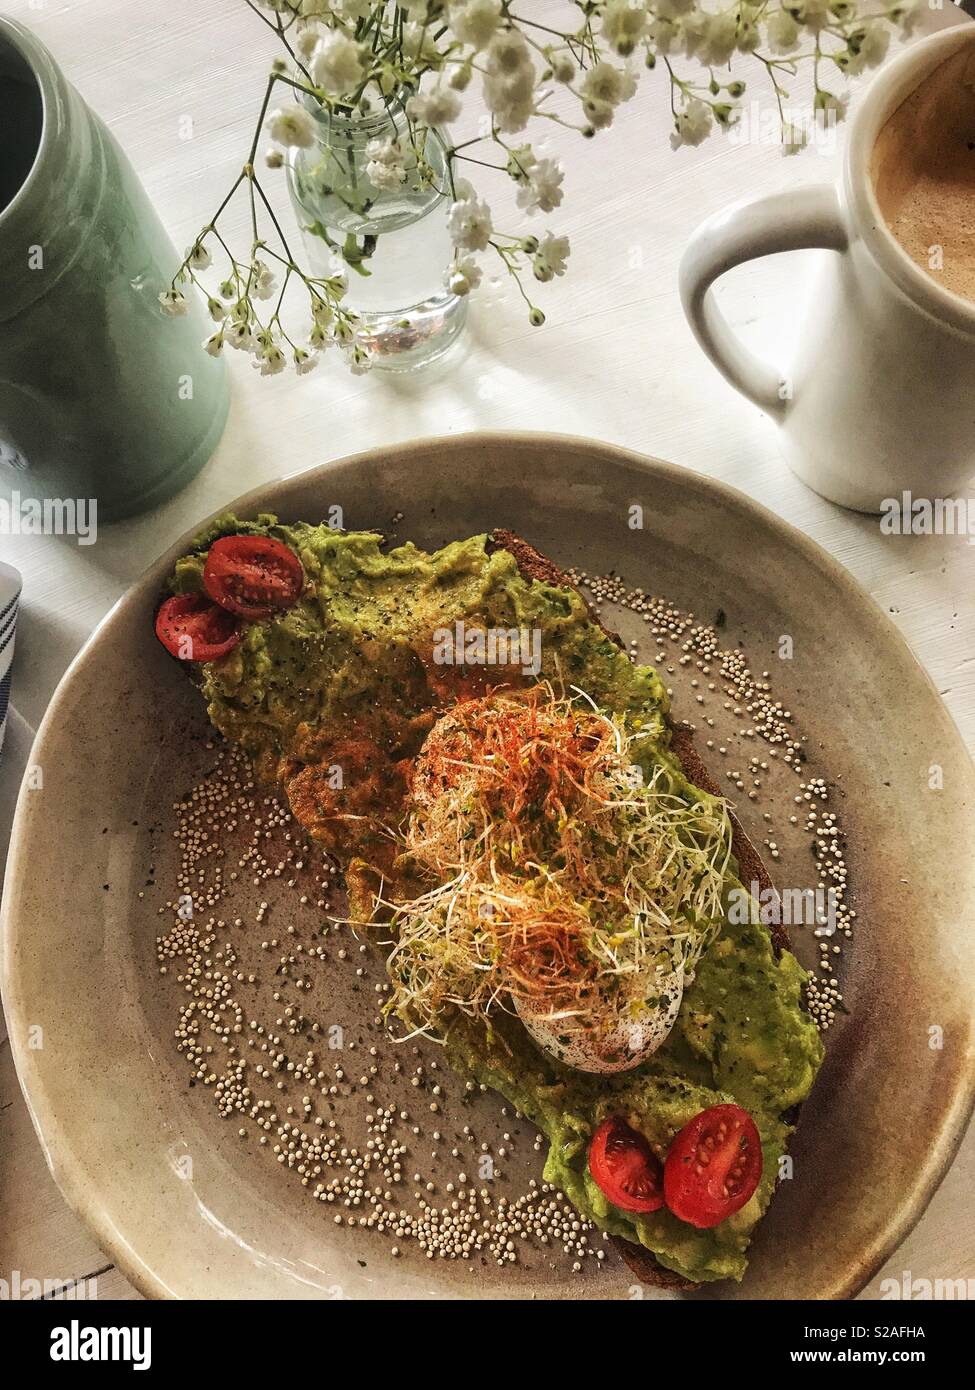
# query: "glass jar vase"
393,243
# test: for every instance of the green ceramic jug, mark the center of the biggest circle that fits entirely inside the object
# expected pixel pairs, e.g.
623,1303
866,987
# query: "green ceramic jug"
101,395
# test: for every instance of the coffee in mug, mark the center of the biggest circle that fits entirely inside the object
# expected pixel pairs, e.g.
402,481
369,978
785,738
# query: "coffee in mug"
924,174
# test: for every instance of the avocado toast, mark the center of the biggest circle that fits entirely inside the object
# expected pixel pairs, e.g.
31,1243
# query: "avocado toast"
335,698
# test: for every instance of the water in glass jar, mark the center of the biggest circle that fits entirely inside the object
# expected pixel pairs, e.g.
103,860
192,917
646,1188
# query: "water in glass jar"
399,238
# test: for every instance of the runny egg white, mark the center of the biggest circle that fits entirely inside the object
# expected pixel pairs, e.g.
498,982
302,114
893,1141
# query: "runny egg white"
610,1036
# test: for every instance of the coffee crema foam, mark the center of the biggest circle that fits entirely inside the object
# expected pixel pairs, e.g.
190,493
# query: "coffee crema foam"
923,173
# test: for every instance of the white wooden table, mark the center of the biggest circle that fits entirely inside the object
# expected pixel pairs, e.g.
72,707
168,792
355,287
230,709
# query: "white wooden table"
616,361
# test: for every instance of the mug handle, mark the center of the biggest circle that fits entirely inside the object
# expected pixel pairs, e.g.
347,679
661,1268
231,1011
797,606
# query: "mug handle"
794,221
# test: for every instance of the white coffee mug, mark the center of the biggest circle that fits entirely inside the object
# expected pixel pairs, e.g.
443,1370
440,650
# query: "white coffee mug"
880,399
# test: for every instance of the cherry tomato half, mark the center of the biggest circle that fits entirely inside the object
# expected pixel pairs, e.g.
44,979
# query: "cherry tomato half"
192,628
253,576
624,1167
713,1166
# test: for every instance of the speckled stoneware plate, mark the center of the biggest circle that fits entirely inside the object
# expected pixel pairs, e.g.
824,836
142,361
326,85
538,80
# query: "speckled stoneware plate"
188,1206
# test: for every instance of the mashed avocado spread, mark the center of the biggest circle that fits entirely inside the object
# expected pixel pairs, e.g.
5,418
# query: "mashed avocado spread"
347,676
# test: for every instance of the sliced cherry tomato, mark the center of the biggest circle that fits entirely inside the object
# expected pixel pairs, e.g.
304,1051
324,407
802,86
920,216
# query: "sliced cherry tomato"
713,1166
192,628
253,576
624,1167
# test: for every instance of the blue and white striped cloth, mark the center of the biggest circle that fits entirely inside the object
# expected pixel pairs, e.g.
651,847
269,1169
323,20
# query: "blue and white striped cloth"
9,603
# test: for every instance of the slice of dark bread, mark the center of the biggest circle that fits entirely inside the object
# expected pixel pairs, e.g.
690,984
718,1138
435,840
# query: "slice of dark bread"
533,565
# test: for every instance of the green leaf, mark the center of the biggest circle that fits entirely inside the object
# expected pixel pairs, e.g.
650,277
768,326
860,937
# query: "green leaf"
354,254
318,229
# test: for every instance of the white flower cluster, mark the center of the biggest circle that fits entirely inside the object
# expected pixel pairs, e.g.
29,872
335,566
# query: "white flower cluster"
385,164
351,56
241,326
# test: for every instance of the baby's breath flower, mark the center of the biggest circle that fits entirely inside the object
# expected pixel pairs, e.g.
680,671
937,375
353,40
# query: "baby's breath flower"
783,32
360,360
385,164
420,44
214,344
541,190
274,159
238,335
749,36
509,80
469,222
563,67
308,38
198,256
348,9
292,125
814,14
270,360
508,54
692,123
475,22
551,256
624,24
830,107
521,161
874,44
463,276
337,64
304,361
322,312
173,303
439,106
599,114
264,283
664,34
606,83
715,36
794,138
905,14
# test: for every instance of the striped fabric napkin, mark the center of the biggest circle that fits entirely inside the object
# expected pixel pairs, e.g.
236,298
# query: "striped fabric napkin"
9,602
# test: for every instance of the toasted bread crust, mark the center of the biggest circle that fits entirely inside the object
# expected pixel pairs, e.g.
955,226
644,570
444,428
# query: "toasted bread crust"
751,868
531,562
533,565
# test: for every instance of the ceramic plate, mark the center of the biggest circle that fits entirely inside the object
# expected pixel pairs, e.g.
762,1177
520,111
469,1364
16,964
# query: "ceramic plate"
187,1207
